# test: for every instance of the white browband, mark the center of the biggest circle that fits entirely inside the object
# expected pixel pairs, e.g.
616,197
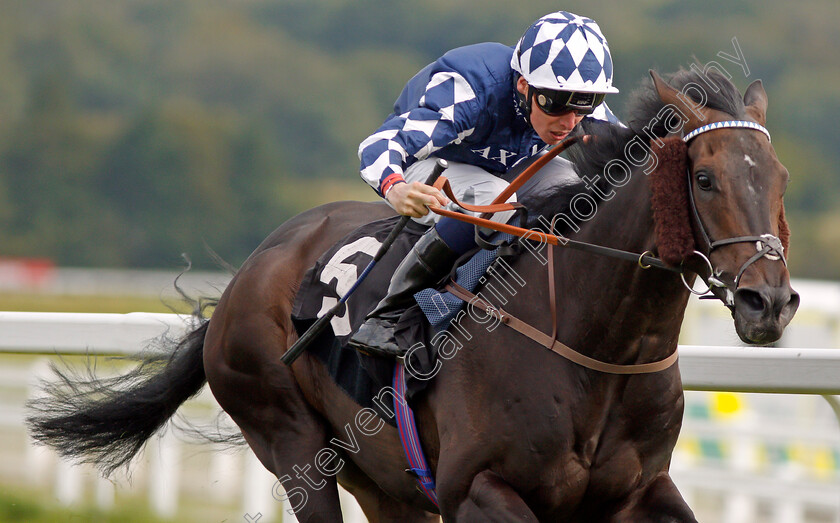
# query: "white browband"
723,125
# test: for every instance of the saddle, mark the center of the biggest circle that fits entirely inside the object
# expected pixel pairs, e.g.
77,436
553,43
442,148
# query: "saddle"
360,375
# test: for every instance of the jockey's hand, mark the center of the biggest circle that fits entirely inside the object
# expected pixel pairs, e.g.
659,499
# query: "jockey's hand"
412,199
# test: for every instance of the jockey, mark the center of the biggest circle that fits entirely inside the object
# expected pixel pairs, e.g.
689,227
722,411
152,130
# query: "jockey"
483,108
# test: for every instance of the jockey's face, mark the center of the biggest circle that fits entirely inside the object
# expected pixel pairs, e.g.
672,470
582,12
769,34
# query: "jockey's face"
550,129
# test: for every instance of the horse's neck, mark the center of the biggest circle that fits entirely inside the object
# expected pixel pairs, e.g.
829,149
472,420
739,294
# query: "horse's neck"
610,308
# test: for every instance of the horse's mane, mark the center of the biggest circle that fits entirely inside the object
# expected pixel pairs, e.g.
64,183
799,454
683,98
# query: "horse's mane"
721,95
610,139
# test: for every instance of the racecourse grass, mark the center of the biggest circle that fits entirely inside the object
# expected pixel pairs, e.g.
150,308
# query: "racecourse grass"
28,302
29,507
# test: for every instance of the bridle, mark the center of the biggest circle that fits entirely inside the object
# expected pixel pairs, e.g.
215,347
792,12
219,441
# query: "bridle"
767,245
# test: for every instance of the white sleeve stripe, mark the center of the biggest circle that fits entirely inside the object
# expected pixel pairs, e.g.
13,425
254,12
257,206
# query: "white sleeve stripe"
372,173
381,135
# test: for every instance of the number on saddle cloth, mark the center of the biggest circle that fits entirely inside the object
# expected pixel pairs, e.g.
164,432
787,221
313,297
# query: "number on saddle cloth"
326,282
360,376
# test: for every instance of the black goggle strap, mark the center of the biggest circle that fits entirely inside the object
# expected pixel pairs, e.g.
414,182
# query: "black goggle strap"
524,101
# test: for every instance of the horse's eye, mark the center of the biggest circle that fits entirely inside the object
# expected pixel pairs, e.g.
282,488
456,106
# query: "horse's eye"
704,181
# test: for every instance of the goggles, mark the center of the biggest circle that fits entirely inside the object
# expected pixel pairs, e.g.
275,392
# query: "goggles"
556,103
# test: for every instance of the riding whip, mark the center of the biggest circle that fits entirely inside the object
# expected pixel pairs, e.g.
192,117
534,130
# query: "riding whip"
318,327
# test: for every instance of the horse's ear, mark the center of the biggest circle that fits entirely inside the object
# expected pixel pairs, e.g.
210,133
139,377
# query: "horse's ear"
671,96
755,100
666,93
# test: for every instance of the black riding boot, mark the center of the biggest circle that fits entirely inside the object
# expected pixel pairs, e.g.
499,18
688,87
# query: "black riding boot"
428,262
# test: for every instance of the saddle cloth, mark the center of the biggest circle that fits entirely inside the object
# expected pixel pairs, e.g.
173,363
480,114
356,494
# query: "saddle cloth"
359,375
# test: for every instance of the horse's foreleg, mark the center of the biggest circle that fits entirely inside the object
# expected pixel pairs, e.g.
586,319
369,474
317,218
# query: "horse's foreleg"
660,502
489,498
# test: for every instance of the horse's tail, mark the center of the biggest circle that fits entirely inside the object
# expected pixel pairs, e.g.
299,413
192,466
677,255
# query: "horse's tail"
107,421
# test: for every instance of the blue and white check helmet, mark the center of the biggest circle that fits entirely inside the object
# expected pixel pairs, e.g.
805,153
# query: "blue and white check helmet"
566,52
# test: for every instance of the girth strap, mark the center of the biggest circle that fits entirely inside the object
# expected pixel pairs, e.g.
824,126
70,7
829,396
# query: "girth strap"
410,439
555,345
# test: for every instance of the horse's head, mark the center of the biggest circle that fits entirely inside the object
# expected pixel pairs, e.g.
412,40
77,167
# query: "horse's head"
737,183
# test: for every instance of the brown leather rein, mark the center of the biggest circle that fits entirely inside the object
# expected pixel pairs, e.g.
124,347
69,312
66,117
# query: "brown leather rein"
645,260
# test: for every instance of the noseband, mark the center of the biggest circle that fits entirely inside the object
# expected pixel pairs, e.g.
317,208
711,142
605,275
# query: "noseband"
766,245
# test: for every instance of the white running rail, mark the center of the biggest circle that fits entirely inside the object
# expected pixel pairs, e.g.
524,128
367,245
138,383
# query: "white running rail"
704,368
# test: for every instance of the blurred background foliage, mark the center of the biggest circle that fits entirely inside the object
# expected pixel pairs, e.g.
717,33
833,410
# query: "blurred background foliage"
133,131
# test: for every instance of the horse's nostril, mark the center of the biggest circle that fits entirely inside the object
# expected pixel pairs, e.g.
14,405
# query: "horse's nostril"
750,300
792,305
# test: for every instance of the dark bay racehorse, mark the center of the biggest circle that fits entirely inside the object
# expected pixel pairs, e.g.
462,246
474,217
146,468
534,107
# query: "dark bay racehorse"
513,431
